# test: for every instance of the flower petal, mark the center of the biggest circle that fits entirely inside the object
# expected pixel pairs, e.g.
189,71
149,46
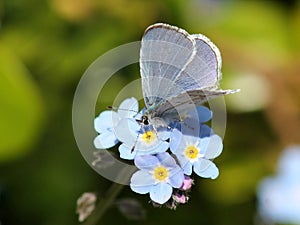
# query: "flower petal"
127,131
141,182
187,168
176,177
126,152
204,114
161,193
163,147
184,164
105,121
289,164
175,140
157,147
212,147
105,140
163,133
206,168
128,108
166,160
147,162
190,140
185,140
205,131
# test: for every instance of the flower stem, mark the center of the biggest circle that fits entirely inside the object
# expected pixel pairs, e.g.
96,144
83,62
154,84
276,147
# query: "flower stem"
110,196
104,204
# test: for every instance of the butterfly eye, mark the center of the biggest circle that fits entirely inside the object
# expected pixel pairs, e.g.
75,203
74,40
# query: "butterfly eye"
145,120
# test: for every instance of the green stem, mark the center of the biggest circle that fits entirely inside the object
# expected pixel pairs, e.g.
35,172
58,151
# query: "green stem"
110,196
104,204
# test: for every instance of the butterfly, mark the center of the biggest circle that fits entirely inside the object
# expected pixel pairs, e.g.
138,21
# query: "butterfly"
179,72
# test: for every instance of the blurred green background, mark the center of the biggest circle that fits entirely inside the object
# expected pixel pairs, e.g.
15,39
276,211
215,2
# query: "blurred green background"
45,47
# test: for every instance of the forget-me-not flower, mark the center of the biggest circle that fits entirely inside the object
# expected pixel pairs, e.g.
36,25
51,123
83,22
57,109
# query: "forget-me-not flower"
195,153
106,123
202,114
279,196
192,122
158,175
140,139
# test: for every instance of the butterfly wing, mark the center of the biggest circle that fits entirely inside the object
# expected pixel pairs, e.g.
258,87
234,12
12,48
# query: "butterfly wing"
165,52
178,71
174,108
204,70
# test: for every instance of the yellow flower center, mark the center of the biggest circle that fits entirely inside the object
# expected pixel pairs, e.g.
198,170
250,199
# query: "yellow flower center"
161,173
148,136
191,152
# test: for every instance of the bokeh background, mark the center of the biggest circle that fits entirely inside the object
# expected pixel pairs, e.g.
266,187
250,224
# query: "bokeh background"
45,47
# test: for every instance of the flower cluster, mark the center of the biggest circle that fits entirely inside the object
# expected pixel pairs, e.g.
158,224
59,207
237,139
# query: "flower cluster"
166,156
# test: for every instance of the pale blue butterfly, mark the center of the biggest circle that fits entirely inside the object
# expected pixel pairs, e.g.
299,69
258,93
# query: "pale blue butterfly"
179,71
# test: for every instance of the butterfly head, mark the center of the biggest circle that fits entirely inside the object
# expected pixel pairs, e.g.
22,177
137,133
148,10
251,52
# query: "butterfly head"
144,120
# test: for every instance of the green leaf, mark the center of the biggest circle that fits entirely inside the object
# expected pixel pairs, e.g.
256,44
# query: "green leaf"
21,106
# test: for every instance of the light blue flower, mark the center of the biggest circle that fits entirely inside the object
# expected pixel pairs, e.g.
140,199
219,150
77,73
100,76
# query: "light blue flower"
192,122
279,196
279,200
195,153
140,139
203,114
158,175
106,123
289,163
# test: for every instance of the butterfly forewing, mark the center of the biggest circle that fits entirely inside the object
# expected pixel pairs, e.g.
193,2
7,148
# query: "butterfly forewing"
165,52
204,71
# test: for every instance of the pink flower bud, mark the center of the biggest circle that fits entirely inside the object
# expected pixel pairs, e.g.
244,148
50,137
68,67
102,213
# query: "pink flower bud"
187,183
180,197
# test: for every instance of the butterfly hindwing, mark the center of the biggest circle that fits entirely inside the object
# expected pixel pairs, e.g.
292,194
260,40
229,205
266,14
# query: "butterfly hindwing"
186,101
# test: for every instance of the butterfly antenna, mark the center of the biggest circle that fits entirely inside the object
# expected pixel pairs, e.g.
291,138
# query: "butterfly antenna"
136,140
116,108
